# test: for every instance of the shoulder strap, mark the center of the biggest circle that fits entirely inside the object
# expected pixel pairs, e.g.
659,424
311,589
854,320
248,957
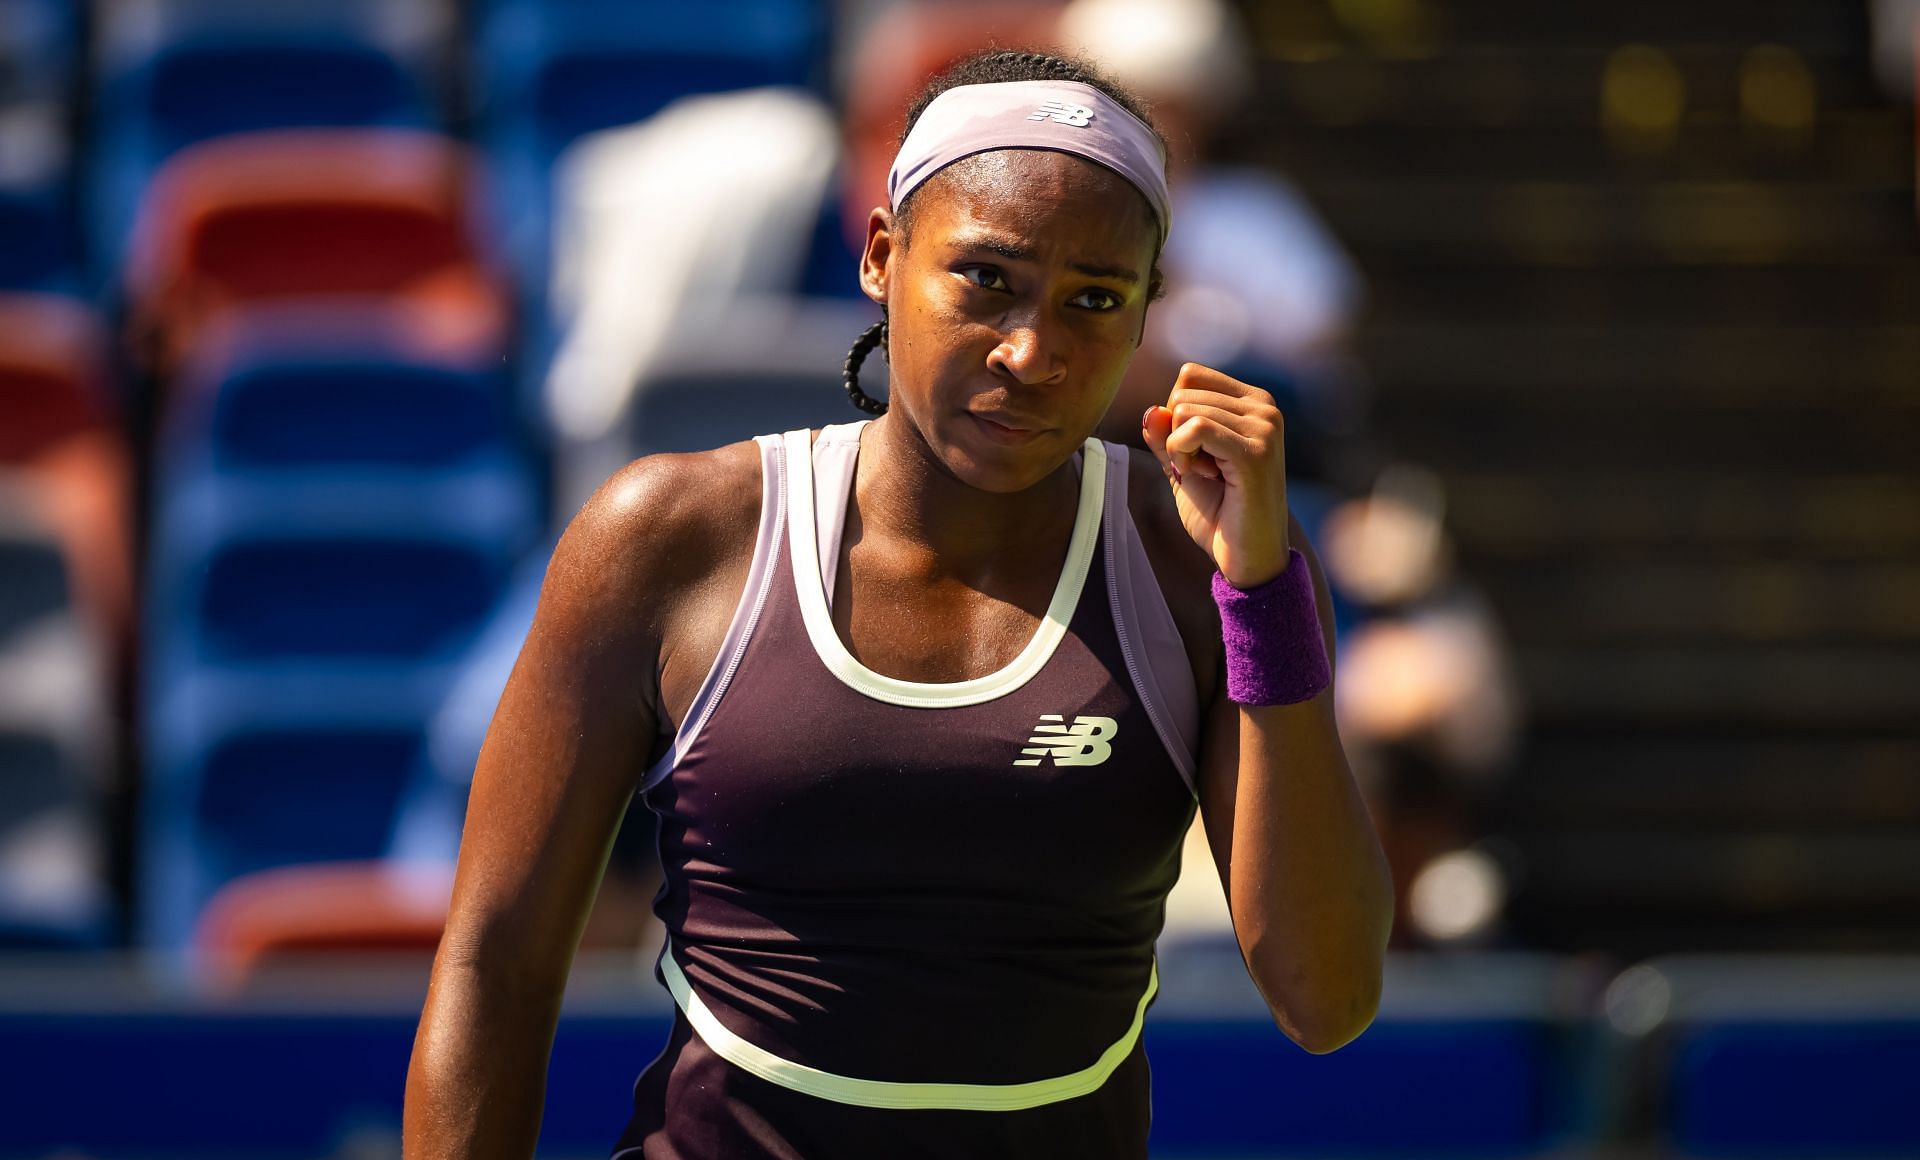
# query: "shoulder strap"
834,455
746,611
1149,637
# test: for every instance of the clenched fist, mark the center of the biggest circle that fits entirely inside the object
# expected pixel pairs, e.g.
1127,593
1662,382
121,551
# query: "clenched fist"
1220,443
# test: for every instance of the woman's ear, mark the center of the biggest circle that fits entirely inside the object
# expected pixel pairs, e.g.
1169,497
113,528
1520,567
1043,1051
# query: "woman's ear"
876,260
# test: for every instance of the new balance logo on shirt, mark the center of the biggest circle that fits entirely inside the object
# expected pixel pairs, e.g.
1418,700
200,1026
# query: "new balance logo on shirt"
1065,113
1082,743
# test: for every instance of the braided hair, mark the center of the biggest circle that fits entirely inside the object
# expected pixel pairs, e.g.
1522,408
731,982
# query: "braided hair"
986,68
872,336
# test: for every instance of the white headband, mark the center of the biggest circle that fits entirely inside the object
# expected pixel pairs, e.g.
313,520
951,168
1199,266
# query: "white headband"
1067,116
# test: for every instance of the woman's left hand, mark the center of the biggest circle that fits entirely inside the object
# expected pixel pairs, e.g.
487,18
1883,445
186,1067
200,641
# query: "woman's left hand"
1220,443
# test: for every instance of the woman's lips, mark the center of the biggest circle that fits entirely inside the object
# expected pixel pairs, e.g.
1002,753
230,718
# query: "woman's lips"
1001,432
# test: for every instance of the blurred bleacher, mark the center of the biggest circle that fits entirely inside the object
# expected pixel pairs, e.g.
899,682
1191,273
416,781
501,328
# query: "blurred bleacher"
274,302
302,367
1645,295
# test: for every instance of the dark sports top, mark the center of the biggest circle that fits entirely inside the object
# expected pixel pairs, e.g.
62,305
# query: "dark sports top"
907,918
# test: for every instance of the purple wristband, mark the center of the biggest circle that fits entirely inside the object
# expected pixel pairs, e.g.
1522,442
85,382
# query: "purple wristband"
1276,654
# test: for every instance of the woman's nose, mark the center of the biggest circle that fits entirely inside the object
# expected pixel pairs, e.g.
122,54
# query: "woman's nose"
1026,353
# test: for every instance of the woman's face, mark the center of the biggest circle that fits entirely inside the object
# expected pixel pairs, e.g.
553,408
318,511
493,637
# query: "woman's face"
1013,307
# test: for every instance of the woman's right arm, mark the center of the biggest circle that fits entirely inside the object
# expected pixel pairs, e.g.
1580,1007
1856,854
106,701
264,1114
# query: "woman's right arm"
567,746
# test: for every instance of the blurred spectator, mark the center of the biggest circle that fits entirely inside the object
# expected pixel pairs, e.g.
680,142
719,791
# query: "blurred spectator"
665,223
1429,712
664,230
546,74
1428,703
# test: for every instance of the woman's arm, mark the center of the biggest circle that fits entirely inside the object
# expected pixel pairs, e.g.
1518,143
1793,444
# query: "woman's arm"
1297,852
1306,880
563,756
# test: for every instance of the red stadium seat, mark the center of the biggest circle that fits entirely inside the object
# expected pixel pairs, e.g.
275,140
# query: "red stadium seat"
904,49
52,374
271,916
310,216
61,433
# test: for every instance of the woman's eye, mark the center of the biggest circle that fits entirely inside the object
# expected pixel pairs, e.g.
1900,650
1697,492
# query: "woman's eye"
1098,299
985,277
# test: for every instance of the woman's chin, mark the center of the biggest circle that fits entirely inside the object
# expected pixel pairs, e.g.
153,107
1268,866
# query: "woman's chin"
1002,466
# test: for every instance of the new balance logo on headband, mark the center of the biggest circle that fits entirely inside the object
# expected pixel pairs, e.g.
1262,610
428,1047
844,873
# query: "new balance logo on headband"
1063,112
1082,743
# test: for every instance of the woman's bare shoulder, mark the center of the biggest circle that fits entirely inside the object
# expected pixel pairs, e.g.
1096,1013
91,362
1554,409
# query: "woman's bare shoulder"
660,527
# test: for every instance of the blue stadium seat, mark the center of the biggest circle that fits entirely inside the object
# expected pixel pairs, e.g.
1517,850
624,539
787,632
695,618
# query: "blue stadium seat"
434,811
323,567
326,505
335,520
275,795
301,632
556,71
203,89
301,613
212,83
37,251
353,596
247,773
335,396
38,242
358,410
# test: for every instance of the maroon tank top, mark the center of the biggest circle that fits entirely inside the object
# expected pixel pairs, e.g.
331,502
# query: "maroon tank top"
911,918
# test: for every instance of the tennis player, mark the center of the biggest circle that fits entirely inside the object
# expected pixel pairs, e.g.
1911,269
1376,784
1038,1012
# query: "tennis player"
925,703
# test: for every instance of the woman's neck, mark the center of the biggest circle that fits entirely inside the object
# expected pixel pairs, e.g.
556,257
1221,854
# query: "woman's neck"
904,495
